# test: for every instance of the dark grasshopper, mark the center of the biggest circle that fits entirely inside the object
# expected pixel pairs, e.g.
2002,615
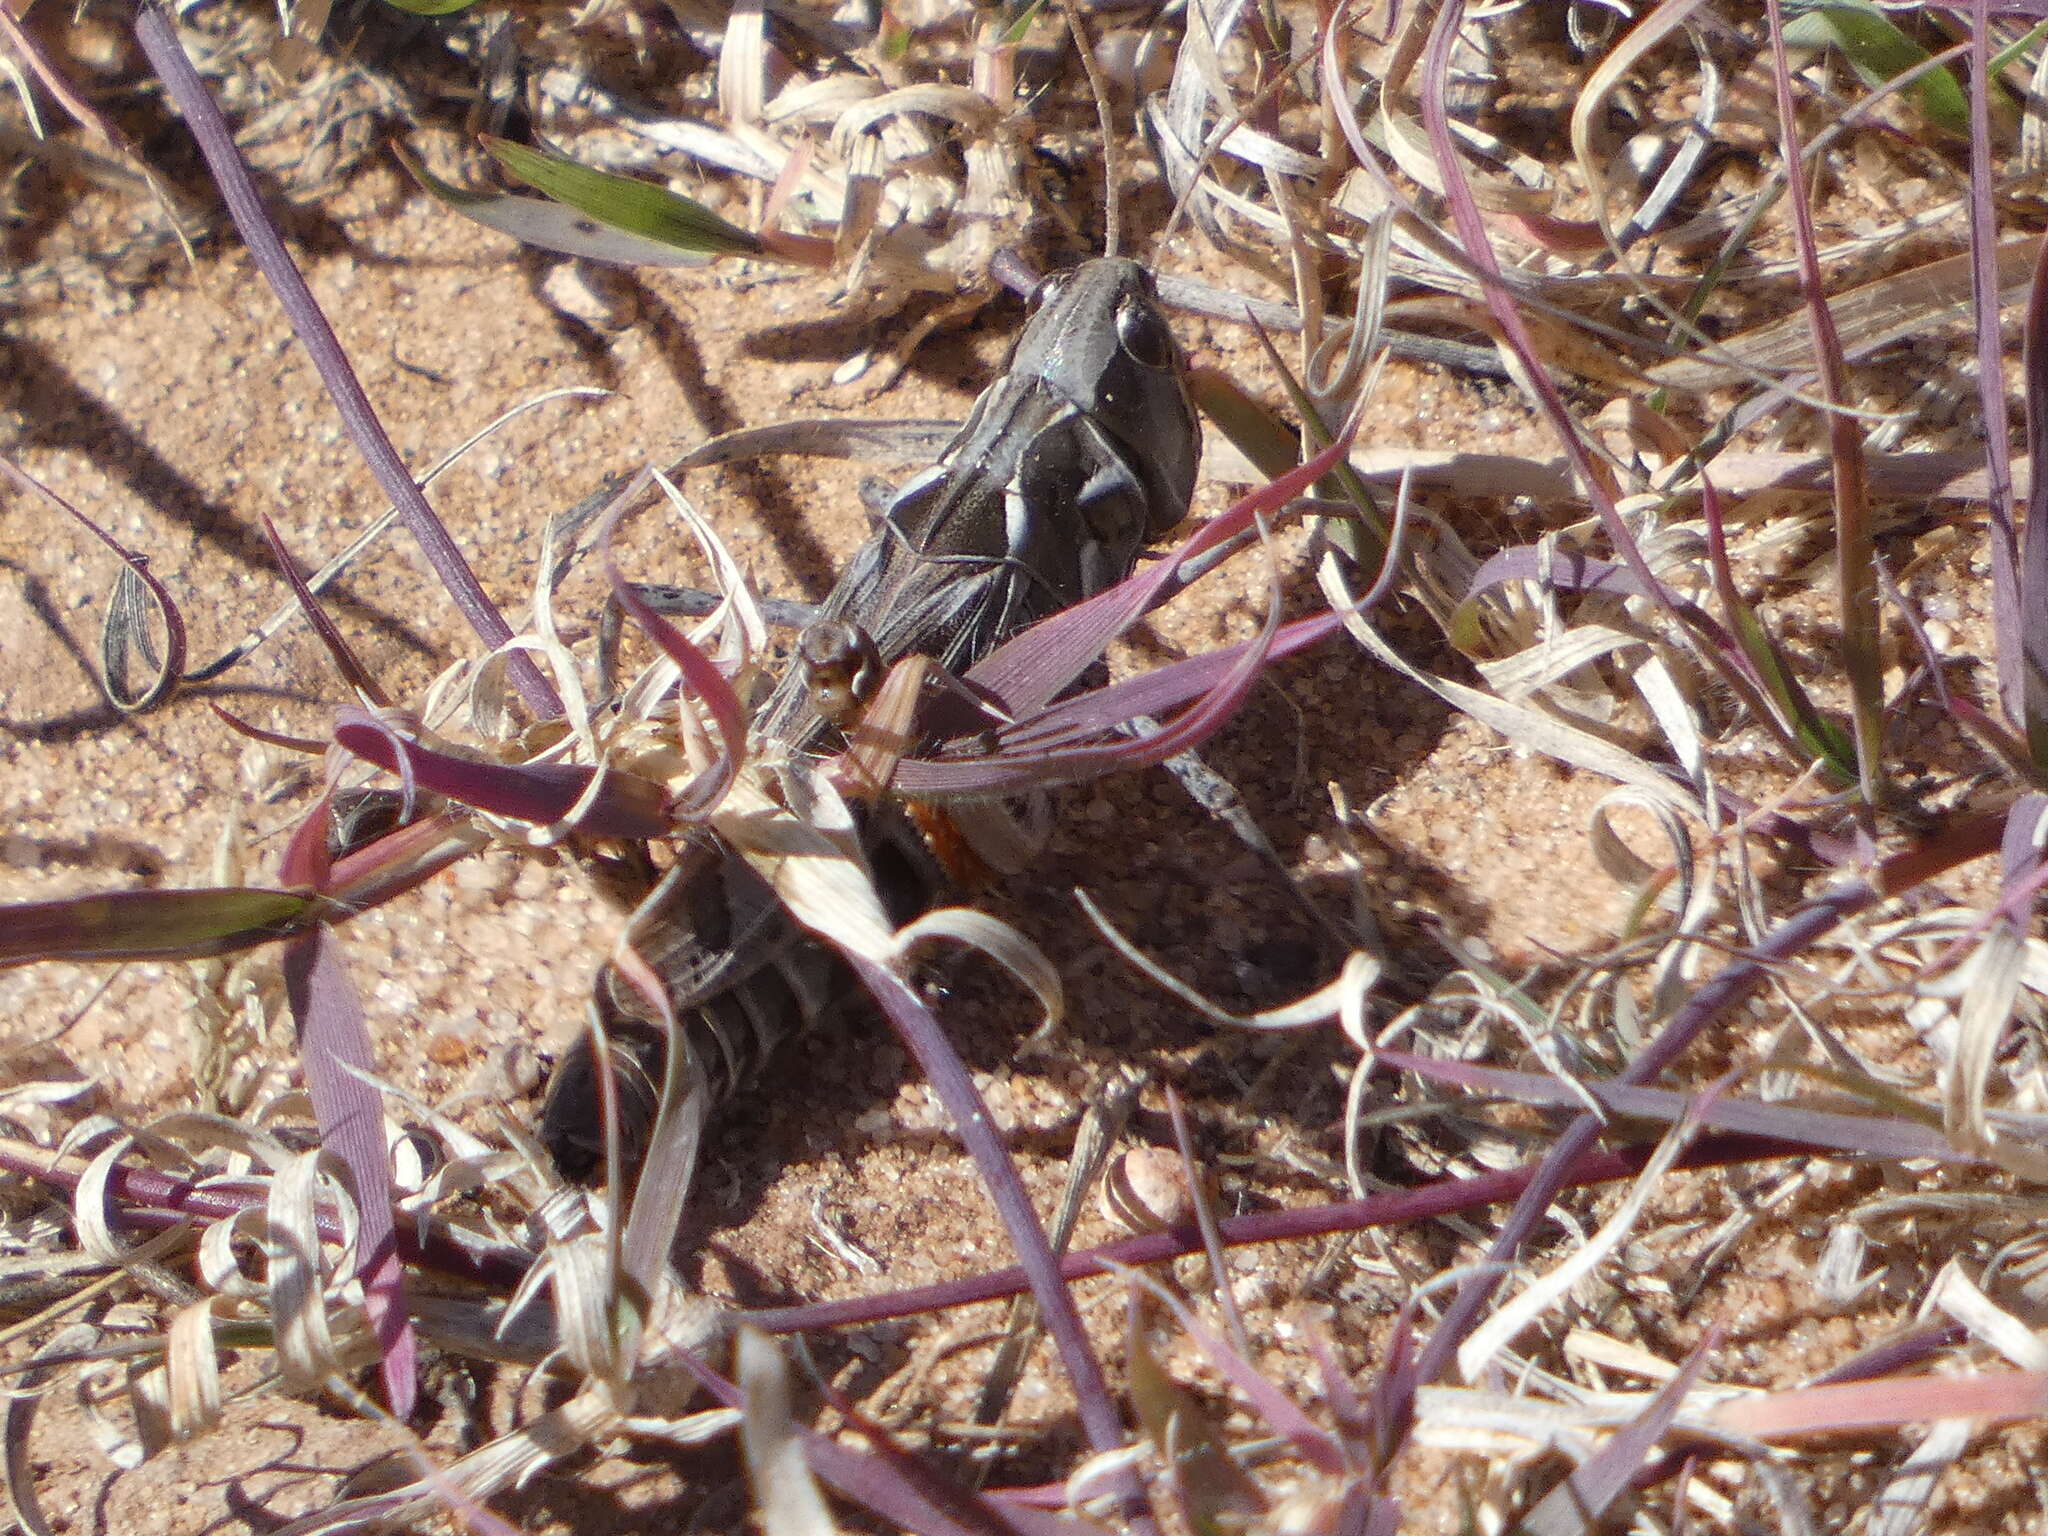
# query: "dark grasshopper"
1082,452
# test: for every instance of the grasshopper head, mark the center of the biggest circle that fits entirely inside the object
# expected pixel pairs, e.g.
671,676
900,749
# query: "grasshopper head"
1100,339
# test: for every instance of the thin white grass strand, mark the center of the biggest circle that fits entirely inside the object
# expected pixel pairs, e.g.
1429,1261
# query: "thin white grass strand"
1961,1298
1326,1002
1492,1337
786,1496
1001,943
1524,725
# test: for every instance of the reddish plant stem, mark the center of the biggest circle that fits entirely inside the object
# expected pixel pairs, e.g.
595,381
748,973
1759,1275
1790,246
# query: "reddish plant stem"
1443,1198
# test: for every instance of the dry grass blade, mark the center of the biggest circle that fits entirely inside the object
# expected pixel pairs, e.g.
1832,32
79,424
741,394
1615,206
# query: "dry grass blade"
1887,1403
785,1494
22,1403
1482,1348
1582,1500
1533,728
811,859
1867,318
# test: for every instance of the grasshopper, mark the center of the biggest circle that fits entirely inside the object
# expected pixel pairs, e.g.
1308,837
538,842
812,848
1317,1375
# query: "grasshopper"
1082,452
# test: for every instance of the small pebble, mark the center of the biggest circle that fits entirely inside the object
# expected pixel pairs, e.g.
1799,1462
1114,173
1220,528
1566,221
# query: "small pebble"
1147,1191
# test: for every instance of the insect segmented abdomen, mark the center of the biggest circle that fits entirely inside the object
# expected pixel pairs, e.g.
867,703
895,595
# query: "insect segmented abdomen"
730,1023
738,975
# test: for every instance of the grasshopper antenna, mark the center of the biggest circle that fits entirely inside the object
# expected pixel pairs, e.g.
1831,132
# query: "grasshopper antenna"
1112,184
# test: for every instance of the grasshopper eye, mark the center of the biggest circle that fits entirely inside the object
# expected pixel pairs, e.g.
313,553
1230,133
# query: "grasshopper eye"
840,667
1143,334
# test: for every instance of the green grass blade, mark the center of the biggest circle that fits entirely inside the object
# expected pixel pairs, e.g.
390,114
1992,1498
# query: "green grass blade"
1879,51
621,203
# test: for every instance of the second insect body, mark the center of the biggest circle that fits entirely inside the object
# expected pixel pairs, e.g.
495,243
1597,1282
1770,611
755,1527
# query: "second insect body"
1079,454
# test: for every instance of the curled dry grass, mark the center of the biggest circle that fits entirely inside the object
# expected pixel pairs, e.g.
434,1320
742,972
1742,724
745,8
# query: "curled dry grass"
1646,265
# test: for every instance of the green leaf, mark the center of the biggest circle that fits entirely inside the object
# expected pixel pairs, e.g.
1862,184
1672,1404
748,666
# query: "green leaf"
1274,448
547,226
430,7
1015,33
1256,432
1878,51
893,39
621,203
152,925
1817,735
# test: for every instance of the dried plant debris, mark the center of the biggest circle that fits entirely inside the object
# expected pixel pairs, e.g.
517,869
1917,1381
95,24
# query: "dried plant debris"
1580,1068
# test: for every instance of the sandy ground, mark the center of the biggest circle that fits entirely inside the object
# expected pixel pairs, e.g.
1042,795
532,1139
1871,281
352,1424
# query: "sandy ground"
179,412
